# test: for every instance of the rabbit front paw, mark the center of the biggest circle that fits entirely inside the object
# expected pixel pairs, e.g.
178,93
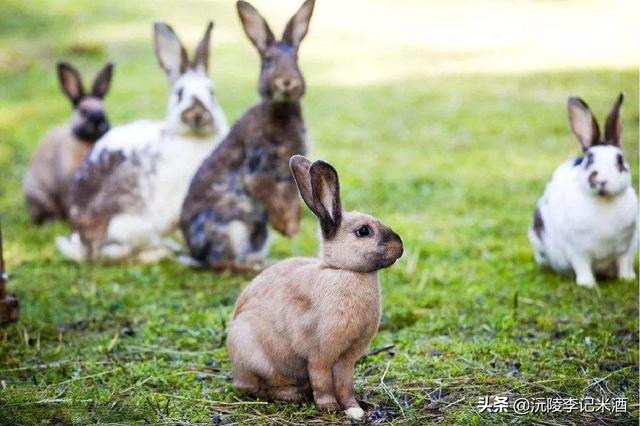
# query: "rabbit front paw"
586,281
356,413
627,275
328,403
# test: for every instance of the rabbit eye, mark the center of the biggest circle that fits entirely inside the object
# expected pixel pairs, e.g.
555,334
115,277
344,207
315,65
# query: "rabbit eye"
179,93
268,61
620,162
363,231
589,160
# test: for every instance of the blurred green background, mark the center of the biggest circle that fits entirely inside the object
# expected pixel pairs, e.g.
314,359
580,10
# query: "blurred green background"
445,119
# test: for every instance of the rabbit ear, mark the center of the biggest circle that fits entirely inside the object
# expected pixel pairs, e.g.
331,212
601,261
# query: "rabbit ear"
299,24
103,81
613,128
201,60
171,55
255,27
325,188
583,123
71,82
300,168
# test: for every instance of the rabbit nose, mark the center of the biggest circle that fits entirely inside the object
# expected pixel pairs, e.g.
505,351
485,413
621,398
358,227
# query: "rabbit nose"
196,115
393,244
288,84
397,237
293,85
400,245
103,126
95,116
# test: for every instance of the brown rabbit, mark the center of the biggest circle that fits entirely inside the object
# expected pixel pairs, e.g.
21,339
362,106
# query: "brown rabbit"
245,184
302,324
61,152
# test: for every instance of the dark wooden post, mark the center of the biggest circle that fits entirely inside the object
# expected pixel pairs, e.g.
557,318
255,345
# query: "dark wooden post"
9,306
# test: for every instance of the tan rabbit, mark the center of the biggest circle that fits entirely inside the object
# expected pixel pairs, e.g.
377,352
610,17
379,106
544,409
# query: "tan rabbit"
300,326
59,155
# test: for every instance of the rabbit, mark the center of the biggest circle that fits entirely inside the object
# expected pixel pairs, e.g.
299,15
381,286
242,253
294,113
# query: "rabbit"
60,153
300,326
126,196
587,220
246,182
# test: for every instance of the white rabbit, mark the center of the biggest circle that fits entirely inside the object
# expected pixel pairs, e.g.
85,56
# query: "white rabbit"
127,195
587,220
300,326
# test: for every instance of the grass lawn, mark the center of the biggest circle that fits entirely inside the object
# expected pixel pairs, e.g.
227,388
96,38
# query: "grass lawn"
453,161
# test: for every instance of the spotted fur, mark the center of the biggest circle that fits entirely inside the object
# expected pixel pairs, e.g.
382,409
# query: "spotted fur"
128,193
245,184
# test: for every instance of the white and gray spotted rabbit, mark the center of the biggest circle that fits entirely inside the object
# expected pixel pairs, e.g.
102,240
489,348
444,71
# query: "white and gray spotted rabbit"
587,220
127,196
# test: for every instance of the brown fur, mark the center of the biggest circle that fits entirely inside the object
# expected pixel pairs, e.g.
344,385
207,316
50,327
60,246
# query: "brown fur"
101,189
49,176
111,183
247,179
276,129
62,151
300,326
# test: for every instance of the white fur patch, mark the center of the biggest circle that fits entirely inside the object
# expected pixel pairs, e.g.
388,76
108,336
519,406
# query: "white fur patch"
154,254
239,236
137,136
186,260
260,255
136,230
355,412
71,247
327,202
194,84
179,161
115,251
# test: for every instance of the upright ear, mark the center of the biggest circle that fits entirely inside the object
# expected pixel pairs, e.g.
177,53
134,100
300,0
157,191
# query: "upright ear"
613,128
300,168
299,24
71,82
103,81
201,60
583,123
255,27
325,188
171,55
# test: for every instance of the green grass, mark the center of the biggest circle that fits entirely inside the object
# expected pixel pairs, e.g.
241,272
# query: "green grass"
453,162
